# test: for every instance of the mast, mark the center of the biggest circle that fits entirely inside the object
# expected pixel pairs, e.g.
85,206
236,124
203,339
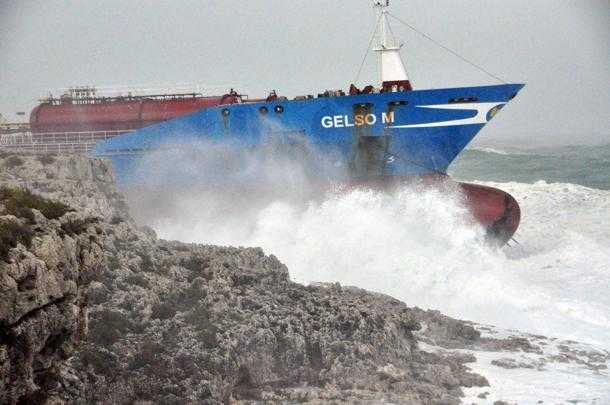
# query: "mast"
392,72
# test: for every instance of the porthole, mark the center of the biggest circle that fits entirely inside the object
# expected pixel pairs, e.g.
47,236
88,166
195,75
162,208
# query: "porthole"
226,112
463,100
279,109
263,110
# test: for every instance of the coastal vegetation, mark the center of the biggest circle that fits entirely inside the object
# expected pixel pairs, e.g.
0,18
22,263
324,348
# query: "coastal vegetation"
20,202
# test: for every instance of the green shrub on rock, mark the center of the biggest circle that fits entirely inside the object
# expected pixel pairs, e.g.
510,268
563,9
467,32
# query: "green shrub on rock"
13,161
20,202
76,226
101,360
12,233
46,159
163,310
138,279
149,354
108,327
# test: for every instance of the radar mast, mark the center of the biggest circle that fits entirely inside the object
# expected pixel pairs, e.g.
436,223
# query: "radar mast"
392,71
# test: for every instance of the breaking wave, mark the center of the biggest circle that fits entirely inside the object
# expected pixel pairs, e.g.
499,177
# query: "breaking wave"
420,246
489,150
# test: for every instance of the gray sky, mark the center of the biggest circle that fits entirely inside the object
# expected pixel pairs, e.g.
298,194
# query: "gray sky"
560,48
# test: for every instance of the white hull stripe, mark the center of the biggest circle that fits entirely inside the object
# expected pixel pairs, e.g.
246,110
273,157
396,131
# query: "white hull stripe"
481,118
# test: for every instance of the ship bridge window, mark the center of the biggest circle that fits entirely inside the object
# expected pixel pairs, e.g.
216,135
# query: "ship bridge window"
463,100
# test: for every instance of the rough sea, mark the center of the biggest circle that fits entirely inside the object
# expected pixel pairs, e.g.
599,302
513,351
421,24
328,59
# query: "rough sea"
562,261
421,246
587,166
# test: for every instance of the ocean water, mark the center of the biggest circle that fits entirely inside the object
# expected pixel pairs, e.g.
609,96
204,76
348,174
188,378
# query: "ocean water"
584,165
422,247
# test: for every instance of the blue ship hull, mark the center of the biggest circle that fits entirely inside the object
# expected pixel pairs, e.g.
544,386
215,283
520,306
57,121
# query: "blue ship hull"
411,133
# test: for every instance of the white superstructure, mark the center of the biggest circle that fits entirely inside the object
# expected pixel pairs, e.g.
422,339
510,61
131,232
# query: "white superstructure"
392,69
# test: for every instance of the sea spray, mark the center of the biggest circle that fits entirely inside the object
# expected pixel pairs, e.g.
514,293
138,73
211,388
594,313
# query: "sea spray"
417,244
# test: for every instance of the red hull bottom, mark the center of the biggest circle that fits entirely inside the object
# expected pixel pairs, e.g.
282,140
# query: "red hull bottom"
495,209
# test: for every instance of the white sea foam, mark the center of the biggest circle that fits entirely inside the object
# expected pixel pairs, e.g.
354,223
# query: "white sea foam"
545,380
489,150
421,247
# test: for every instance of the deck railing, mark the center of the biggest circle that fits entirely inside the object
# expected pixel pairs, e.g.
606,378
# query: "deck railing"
55,142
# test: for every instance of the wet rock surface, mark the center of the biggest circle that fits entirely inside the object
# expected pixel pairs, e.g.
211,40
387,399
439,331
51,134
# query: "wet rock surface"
175,323
198,323
518,360
45,267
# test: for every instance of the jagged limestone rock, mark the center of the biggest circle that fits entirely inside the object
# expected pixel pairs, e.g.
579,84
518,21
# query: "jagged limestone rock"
43,311
183,323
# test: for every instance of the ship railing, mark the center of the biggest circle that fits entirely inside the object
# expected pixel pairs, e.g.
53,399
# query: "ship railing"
75,137
75,148
56,142
16,138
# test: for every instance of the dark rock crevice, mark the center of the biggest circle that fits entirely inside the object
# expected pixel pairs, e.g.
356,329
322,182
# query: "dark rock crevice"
4,327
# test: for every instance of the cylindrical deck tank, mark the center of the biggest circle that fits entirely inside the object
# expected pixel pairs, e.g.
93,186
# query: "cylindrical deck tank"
116,115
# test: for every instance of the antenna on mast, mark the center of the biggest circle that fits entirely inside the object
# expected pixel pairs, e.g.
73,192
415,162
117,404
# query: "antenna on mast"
392,71
381,3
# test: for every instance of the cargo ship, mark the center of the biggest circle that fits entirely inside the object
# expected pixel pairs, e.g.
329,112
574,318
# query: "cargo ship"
379,135
75,121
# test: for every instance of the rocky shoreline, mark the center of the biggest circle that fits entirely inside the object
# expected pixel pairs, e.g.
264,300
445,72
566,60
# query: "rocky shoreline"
96,309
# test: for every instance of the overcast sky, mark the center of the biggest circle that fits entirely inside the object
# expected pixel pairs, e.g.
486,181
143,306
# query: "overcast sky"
559,48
